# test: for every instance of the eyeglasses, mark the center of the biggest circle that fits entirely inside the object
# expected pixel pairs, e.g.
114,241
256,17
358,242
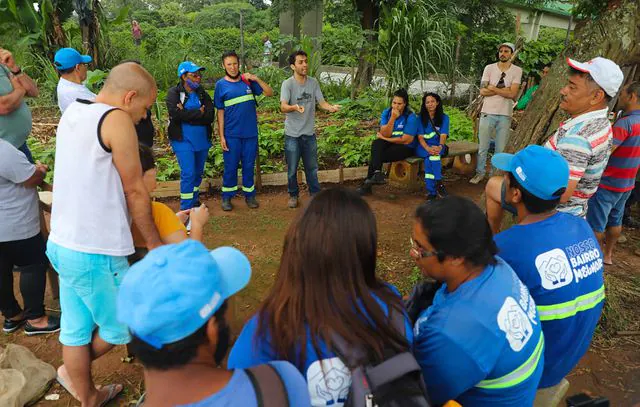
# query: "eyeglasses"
501,81
195,74
419,252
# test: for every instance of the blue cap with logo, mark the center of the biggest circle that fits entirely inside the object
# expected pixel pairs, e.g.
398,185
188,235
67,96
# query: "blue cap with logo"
67,58
541,171
188,67
176,288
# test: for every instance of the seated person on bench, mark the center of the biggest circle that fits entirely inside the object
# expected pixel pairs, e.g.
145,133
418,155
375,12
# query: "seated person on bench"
395,140
433,130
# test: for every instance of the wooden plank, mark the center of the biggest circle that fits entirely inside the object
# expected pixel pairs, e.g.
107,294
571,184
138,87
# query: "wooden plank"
167,189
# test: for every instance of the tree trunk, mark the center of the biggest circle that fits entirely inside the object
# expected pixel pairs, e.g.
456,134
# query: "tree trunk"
616,35
87,11
366,66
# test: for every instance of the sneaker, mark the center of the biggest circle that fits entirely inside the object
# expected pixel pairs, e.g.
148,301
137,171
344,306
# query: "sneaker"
478,178
252,202
442,191
293,202
364,189
226,204
53,325
12,326
431,197
377,178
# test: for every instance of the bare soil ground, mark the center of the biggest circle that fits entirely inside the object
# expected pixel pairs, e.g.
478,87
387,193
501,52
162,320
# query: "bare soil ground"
611,368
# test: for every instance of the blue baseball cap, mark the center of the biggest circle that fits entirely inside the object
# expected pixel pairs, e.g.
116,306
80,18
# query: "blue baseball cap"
188,66
176,288
67,58
539,170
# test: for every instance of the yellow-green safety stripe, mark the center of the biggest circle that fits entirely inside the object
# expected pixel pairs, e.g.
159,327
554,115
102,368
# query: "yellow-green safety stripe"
397,133
429,136
187,196
239,99
520,374
229,189
196,189
248,189
434,158
429,176
571,308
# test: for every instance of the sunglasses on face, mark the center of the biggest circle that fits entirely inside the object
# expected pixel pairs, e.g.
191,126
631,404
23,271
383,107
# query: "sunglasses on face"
418,252
501,81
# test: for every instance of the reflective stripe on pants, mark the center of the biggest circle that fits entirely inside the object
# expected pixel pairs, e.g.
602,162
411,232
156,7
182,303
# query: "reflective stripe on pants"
240,150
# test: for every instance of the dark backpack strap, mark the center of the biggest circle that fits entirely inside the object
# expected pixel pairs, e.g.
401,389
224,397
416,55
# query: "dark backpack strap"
268,385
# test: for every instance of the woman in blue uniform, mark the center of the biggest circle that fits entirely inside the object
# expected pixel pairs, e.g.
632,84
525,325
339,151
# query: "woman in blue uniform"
433,130
191,115
394,142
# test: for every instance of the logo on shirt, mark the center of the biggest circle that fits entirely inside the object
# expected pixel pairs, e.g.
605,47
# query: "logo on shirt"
305,96
515,323
554,269
585,258
328,381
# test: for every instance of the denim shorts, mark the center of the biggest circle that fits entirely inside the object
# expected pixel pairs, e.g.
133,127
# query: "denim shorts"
88,289
606,209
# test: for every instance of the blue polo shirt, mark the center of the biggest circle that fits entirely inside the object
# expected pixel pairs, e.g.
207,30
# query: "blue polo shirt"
194,137
481,345
405,124
560,261
237,101
328,379
430,136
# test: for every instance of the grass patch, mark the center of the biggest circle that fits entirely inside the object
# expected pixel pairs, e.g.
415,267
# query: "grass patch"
621,306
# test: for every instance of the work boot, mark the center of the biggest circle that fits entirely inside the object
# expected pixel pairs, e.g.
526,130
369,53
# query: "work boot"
293,202
442,191
377,179
252,202
364,189
226,204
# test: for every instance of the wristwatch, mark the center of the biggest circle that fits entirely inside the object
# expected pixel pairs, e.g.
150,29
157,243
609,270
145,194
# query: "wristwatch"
18,72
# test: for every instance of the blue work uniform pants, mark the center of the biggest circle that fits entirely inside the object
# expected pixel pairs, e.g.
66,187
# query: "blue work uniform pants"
305,147
191,169
240,150
432,173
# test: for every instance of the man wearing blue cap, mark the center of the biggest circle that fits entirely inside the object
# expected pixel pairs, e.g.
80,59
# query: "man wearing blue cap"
191,116
235,100
72,67
556,255
174,302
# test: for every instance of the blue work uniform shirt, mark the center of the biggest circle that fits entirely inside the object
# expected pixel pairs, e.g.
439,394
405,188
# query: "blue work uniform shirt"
469,340
237,99
194,136
430,136
407,123
328,388
560,261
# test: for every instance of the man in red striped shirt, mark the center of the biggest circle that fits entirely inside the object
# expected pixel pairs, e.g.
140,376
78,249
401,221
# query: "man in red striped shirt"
606,207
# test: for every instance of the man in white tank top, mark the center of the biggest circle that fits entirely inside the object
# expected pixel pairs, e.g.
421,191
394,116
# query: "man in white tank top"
98,191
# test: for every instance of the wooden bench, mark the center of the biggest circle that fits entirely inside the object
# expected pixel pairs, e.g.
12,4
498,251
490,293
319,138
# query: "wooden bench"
409,173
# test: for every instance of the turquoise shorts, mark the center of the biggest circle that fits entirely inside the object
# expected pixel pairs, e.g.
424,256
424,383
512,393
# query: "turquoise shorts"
88,289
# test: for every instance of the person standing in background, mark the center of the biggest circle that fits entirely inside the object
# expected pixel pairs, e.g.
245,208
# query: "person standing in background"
266,53
499,85
136,32
72,68
191,116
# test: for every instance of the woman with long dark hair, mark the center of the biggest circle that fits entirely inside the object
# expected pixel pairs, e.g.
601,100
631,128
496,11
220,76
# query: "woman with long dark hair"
326,286
394,142
432,137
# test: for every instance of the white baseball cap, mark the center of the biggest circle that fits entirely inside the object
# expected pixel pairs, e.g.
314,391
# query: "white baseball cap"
508,44
606,73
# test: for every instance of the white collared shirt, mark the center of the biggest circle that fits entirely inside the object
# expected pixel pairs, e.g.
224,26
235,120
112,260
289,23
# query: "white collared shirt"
69,91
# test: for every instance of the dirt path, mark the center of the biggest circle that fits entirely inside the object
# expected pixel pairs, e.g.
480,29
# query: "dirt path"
612,371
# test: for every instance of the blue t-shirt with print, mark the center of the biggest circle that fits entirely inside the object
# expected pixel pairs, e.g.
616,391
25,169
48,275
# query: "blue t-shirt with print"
237,100
328,388
407,123
430,136
240,392
469,340
560,263
194,137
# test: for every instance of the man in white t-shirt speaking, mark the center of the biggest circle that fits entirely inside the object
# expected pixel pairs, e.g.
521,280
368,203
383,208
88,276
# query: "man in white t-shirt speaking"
72,67
98,191
499,85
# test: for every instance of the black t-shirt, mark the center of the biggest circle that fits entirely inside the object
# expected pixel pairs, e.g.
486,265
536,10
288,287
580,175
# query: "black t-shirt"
145,130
